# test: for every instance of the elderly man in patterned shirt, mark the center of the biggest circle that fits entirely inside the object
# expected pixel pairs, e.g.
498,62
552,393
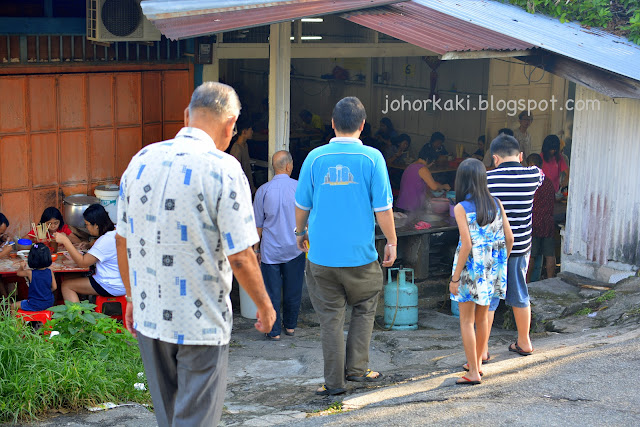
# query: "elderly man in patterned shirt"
186,224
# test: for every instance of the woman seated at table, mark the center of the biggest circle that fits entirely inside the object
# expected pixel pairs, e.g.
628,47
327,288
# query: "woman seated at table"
415,183
397,154
385,134
434,150
106,282
5,249
53,219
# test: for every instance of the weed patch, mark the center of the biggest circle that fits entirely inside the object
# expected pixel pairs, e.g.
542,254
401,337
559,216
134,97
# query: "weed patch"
87,363
609,295
583,311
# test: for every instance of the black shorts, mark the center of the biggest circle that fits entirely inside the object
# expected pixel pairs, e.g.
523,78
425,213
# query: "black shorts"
543,246
99,289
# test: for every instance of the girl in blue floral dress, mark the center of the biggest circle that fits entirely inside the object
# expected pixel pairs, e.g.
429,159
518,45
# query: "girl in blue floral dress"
480,264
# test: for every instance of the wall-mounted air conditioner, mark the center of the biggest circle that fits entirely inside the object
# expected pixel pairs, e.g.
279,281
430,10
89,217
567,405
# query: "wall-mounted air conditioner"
118,20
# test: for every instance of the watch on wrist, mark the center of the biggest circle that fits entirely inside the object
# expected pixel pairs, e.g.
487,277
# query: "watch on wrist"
128,299
299,233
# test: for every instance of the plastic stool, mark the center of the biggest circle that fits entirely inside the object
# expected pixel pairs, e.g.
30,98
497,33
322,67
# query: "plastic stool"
100,300
34,316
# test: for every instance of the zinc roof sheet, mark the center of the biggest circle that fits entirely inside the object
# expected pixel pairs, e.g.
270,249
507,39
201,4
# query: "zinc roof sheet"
191,18
590,46
433,30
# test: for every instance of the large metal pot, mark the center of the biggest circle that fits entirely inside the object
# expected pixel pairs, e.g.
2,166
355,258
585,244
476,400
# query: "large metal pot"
74,207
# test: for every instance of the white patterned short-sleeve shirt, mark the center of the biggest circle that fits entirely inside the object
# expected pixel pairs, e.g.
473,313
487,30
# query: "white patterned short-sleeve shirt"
184,207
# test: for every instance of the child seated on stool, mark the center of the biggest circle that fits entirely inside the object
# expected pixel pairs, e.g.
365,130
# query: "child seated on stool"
42,281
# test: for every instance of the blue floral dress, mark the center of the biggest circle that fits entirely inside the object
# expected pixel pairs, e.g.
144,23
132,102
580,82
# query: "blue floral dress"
484,276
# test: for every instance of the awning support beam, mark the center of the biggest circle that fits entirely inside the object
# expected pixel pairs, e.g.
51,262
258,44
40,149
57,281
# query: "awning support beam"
279,88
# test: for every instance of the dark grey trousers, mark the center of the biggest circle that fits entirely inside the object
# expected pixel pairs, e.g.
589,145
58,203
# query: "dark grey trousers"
187,382
330,290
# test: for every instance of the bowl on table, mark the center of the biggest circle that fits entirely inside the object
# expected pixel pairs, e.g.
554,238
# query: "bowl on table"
23,254
54,257
23,244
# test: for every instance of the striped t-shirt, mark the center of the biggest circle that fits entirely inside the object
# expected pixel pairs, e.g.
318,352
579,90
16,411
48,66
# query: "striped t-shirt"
515,186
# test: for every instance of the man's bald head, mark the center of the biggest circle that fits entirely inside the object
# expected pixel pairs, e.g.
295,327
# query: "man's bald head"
281,161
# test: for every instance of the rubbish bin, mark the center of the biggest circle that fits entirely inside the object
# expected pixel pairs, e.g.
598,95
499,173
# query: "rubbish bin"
248,309
108,195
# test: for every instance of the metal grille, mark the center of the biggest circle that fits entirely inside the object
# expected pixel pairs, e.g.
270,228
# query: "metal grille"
121,17
57,48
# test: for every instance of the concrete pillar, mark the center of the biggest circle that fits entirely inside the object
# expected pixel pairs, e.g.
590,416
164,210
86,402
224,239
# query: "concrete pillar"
279,88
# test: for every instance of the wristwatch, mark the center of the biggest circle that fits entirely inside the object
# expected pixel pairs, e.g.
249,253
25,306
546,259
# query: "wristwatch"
299,233
128,299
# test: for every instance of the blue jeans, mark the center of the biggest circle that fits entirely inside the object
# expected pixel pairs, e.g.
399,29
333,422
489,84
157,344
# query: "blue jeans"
284,286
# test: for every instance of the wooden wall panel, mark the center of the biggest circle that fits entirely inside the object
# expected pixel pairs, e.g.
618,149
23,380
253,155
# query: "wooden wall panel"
13,160
64,134
44,159
12,104
42,103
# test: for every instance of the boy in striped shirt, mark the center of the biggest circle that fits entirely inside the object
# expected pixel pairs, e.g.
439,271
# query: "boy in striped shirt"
515,186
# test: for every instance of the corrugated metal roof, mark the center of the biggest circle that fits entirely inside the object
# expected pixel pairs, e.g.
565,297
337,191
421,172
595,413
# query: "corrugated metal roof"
193,18
433,30
590,46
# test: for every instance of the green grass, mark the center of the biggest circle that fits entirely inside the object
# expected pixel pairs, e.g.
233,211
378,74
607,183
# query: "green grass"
39,374
609,295
583,311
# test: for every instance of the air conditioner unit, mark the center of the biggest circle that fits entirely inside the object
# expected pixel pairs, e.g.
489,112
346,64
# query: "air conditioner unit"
118,20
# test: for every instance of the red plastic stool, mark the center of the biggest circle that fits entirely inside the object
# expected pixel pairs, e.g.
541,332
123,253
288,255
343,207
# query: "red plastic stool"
100,300
34,316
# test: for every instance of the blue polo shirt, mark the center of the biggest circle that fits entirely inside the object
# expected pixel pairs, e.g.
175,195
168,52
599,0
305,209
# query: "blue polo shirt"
342,184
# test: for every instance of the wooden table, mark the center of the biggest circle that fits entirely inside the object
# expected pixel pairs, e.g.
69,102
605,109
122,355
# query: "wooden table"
63,265
414,245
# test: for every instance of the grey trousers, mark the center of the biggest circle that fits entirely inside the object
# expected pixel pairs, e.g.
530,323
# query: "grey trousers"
330,290
187,382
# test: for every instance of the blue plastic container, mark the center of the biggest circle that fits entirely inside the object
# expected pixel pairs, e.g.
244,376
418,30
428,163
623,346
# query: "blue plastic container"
401,301
455,310
25,242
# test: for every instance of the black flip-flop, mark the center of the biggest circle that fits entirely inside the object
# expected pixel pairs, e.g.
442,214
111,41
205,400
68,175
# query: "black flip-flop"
467,381
467,369
518,350
365,377
330,391
270,338
291,334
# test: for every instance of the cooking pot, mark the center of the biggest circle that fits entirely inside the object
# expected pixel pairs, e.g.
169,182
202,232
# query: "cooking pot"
74,207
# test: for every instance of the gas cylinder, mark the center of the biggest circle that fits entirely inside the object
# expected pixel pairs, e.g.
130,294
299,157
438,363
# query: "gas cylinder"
401,301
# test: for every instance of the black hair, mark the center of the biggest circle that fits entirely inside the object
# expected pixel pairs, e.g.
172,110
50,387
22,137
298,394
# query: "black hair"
471,179
551,142
3,219
535,159
348,115
243,123
366,131
402,137
525,113
505,146
436,136
97,215
482,138
387,122
52,213
306,113
506,131
39,256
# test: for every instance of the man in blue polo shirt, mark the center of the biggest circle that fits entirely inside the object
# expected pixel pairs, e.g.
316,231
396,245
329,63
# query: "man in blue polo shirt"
342,185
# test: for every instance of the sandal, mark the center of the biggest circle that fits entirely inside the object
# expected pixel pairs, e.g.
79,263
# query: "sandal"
324,391
291,334
516,349
270,338
467,381
367,376
466,368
